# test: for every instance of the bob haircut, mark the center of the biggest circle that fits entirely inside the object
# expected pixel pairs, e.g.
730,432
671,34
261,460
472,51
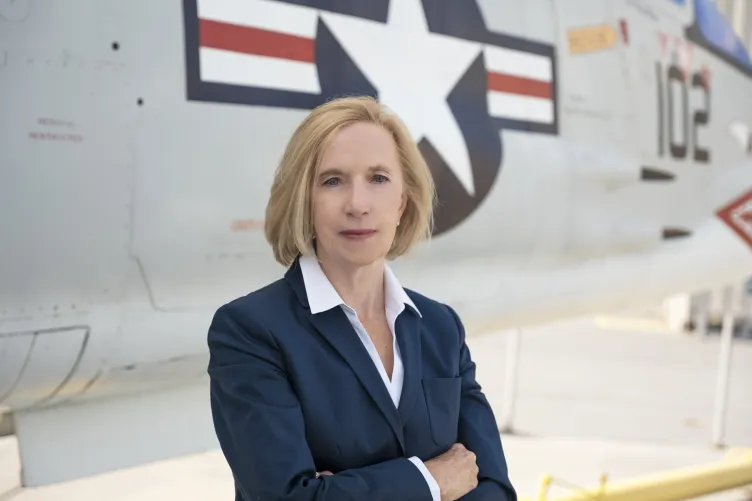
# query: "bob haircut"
289,222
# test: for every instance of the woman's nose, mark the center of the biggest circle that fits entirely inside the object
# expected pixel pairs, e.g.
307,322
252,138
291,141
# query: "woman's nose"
358,200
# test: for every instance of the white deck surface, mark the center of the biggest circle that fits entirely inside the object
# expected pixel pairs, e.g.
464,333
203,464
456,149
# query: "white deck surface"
592,400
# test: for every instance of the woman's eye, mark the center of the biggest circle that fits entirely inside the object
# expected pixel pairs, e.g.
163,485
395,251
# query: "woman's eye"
331,181
380,179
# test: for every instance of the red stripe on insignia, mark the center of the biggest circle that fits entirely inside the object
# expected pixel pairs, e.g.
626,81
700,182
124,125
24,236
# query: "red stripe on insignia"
247,40
519,85
736,215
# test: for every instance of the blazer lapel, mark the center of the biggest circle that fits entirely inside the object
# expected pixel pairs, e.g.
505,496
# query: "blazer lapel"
336,328
407,330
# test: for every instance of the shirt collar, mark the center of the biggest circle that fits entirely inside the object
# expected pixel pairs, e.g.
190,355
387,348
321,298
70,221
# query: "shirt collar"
323,296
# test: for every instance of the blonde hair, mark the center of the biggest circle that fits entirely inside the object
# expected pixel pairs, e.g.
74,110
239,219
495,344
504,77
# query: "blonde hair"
289,222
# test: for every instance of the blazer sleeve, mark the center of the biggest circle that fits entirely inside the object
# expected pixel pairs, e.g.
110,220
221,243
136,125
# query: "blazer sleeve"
261,431
479,433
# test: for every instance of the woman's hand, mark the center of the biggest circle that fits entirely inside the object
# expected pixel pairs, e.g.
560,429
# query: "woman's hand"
455,471
325,472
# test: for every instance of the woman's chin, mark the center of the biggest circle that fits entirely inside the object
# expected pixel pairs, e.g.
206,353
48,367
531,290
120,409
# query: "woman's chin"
357,257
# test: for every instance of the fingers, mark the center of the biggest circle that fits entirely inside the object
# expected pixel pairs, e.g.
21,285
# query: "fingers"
325,472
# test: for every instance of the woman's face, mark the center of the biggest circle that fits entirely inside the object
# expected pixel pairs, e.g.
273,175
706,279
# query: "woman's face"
358,196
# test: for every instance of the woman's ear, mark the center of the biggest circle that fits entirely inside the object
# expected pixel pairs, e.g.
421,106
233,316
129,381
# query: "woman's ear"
403,204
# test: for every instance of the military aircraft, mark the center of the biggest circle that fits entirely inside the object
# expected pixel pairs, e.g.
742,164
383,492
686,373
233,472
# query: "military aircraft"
588,155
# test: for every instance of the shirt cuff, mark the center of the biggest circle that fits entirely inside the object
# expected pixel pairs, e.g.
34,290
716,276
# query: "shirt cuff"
435,490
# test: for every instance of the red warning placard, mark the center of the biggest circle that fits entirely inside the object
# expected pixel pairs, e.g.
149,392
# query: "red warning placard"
738,215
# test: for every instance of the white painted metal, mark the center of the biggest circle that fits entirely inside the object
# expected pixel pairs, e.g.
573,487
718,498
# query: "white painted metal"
724,368
113,433
513,348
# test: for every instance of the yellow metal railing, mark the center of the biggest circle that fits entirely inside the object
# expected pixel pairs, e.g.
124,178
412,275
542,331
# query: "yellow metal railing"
733,472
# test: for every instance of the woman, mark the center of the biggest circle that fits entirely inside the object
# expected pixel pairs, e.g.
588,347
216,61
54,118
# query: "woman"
335,383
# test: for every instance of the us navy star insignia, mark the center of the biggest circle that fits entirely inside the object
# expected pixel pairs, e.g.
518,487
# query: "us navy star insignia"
414,71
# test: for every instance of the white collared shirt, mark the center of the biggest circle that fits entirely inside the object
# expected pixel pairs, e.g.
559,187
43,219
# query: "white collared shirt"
322,297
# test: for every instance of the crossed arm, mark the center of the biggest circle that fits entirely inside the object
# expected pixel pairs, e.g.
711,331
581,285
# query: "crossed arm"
261,431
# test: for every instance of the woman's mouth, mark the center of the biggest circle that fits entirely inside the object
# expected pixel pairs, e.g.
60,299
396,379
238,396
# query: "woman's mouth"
357,234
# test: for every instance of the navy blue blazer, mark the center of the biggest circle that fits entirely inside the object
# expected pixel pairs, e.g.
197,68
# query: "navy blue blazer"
294,393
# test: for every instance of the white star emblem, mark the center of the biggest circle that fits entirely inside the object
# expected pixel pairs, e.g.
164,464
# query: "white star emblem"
414,71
